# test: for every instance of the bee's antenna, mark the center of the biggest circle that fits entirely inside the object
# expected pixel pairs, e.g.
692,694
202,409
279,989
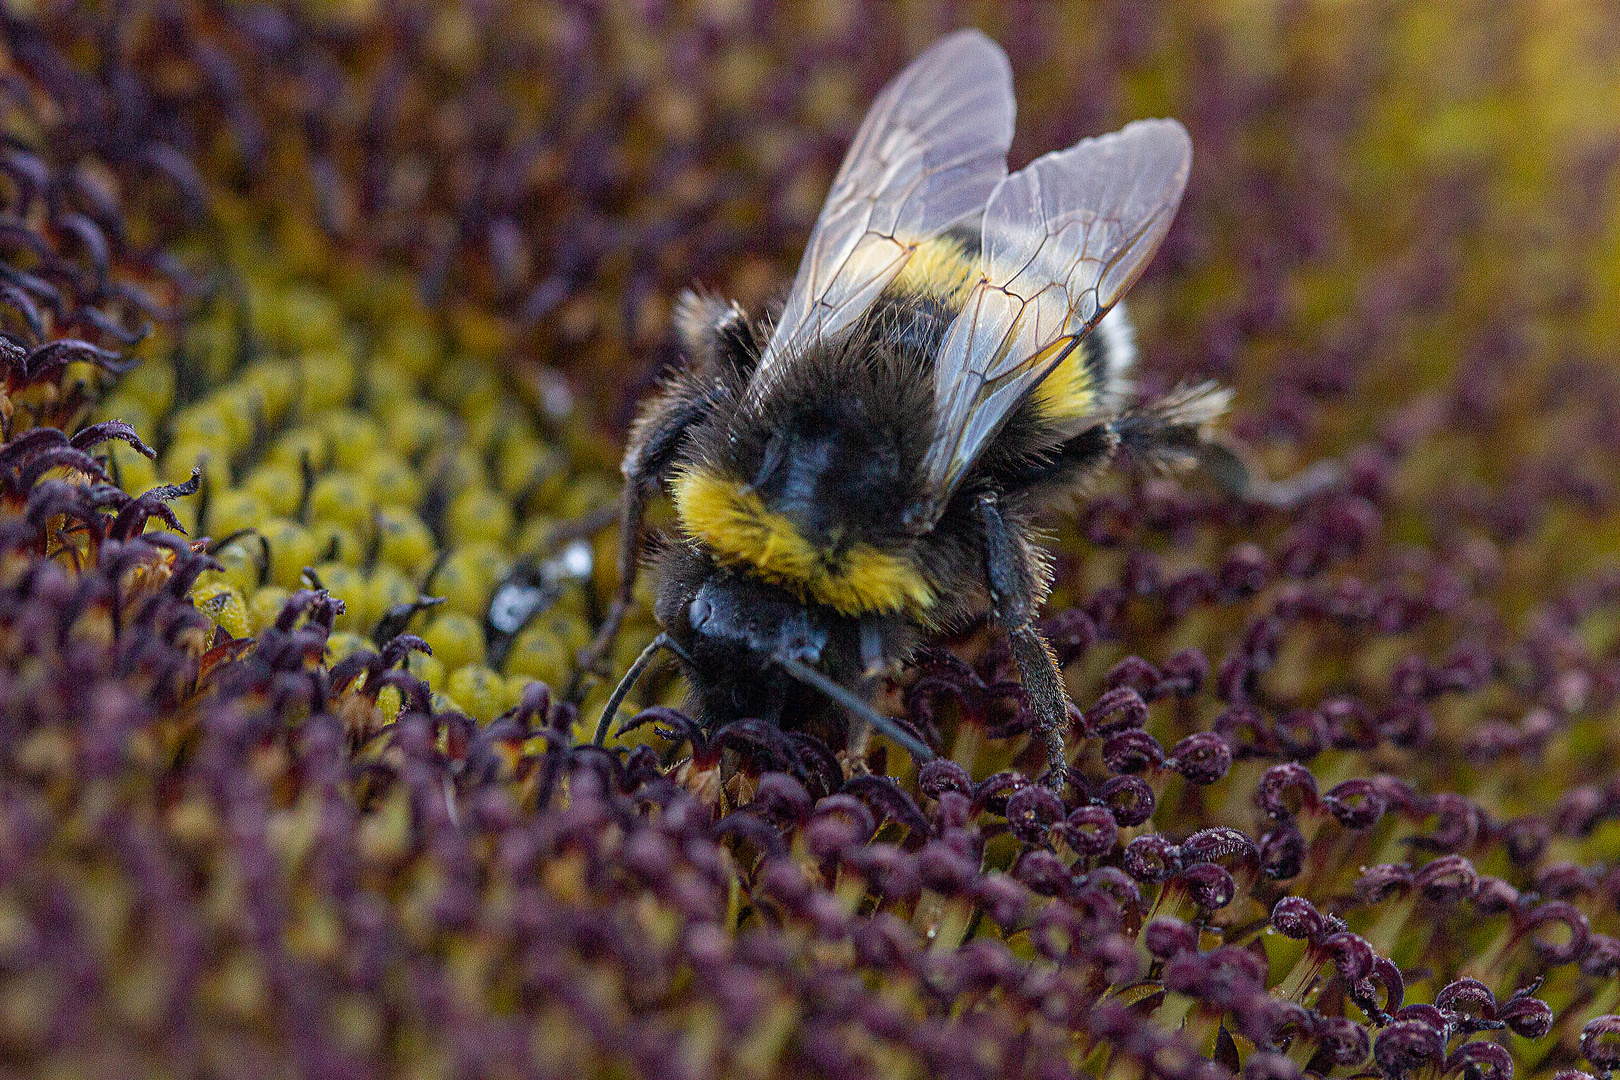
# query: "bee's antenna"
811,677
611,709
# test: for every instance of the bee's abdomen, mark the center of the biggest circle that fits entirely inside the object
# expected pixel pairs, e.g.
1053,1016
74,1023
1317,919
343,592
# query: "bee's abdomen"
1090,381
942,269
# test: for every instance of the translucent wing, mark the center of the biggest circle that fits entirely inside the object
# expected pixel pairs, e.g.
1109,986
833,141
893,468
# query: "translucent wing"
927,156
1063,239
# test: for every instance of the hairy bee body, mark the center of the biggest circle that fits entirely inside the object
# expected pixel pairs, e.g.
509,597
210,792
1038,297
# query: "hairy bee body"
864,469
791,509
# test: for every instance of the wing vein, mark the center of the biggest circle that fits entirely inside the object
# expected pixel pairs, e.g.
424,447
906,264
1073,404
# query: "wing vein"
928,155
1061,242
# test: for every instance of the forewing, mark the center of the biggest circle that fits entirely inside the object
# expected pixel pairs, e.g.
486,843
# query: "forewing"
1063,239
927,156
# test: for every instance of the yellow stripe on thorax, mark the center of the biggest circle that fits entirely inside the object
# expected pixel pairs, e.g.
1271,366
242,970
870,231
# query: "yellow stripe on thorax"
736,524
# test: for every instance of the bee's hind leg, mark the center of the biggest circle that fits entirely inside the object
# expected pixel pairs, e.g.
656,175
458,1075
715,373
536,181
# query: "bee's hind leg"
1233,468
1176,432
1012,603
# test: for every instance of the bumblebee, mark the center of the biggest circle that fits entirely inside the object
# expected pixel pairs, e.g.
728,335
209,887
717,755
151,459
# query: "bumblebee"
864,470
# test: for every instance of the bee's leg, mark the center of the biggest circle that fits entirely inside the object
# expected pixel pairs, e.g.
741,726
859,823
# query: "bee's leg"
1012,603
859,708
721,348
1170,432
1231,465
653,445
1080,457
632,510
583,527
1175,432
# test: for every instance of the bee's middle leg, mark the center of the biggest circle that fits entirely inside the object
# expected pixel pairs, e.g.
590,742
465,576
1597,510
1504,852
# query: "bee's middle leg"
1012,590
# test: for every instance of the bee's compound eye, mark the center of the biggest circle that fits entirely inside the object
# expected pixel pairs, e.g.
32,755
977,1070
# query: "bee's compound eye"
697,613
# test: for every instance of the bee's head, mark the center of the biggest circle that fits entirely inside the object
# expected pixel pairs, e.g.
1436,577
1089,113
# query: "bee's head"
752,649
728,629
726,620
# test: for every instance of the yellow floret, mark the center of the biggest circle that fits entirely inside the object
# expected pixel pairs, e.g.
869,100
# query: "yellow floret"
342,498
223,604
403,540
538,653
355,438
430,669
296,445
347,585
525,463
390,480
465,582
413,346
342,643
206,424
292,547
387,588
242,561
456,639
338,543
233,510
387,387
279,486
479,515
151,385
299,318
534,535
585,494
328,379
182,457
277,382
481,692
265,605
416,426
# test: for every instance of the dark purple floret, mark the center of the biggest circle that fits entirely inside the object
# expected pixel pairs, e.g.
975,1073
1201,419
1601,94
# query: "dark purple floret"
1202,757
1600,1044
1407,1045
1129,799
1296,917
1527,1016
1480,1060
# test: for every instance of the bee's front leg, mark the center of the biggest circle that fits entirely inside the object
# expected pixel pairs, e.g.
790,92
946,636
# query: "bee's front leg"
1012,603
632,509
654,446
